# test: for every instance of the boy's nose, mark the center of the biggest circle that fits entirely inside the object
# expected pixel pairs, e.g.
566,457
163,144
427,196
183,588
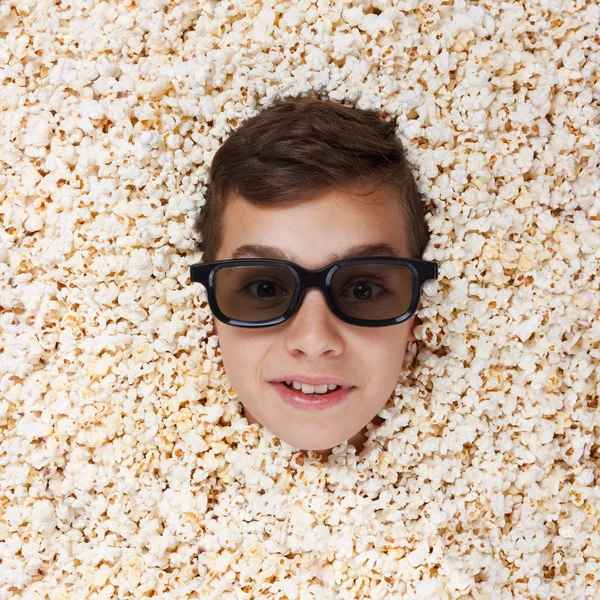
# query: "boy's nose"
314,306
312,328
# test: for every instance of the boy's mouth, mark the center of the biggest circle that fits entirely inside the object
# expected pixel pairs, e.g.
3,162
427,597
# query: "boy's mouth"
315,395
314,381
298,399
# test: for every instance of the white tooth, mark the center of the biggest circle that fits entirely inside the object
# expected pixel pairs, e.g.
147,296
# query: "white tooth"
308,389
288,382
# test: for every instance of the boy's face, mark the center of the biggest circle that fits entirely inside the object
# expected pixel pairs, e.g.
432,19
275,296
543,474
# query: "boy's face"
314,342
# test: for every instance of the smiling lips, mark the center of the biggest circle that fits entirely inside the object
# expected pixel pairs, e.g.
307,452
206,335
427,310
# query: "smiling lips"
302,401
310,390
315,381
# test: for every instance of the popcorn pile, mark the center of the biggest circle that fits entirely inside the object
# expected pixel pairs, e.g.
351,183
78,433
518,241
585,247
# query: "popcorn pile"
126,468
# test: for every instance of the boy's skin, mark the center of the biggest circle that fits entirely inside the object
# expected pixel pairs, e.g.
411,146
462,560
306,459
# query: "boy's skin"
314,342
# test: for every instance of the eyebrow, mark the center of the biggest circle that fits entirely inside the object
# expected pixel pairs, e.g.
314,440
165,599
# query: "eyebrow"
274,253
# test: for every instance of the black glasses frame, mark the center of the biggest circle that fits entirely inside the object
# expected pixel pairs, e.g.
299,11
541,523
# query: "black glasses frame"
204,273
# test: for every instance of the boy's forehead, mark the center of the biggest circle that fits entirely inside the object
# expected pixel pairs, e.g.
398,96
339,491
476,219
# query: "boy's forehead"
261,250
330,228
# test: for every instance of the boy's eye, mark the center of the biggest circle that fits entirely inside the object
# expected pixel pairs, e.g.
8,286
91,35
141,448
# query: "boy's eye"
363,291
266,290
262,289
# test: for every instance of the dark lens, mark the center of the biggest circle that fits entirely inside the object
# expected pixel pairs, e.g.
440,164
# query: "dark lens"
254,293
373,291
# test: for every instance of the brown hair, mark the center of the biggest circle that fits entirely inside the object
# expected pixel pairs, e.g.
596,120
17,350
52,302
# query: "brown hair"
298,147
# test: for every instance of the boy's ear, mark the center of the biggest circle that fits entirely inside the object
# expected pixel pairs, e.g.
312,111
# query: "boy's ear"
415,321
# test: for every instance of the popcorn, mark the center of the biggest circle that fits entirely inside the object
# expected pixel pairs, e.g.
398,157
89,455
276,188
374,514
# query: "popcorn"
43,517
140,265
121,436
